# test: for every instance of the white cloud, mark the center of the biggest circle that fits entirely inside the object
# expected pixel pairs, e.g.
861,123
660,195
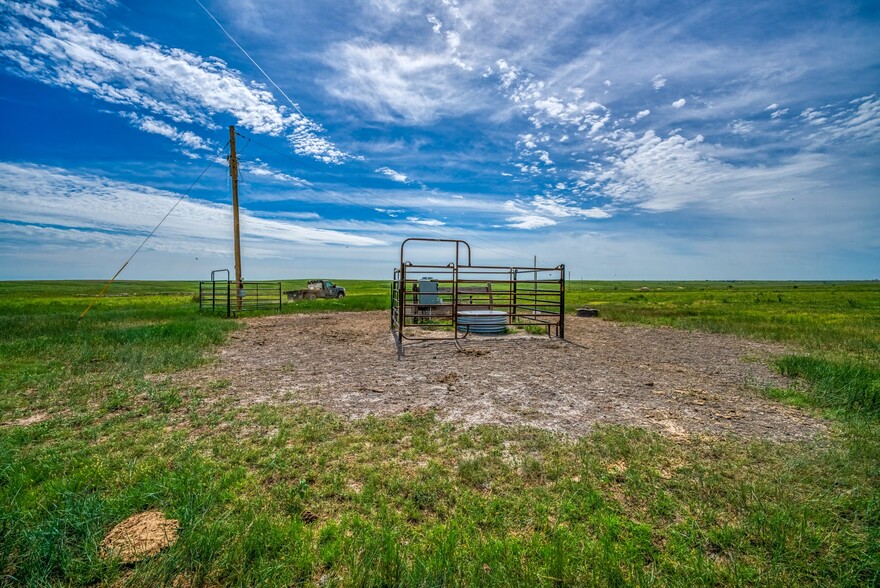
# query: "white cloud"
262,170
679,103
428,222
397,83
741,127
658,82
582,115
89,207
778,113
857,120
158,127
530,221
394,175
814,116
392,212
164,82
528,141
297,215
669,174
507,73
561,208
435,22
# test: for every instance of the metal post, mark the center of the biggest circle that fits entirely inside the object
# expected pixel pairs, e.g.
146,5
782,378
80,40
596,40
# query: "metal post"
511,312
560,331
515,287
455,293
401,309
535,287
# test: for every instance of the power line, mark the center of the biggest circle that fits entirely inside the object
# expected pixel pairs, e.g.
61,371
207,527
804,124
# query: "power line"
257,65
147,238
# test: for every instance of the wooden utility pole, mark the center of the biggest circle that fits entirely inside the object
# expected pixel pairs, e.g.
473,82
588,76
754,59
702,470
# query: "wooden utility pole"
233,173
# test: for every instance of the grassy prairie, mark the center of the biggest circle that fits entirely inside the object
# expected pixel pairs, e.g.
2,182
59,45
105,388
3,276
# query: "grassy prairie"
827,317
281,496
360,295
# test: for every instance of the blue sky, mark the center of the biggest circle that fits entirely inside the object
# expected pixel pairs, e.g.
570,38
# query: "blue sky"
628,140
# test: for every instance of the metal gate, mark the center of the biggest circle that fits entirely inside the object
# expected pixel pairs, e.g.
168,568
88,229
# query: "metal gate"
221,296
431,301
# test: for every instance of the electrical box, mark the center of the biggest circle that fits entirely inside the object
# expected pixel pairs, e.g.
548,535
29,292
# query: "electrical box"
428,292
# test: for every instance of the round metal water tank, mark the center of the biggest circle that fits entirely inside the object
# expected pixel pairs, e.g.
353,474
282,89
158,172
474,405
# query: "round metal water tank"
482,322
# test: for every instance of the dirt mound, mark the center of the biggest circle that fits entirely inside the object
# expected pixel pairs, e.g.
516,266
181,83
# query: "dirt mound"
140,536
672,381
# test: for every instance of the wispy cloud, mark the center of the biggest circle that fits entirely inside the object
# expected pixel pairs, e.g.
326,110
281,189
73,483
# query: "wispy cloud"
529,221
428,222
41,42
261,170
394,175
390,82
560,207
43,196
150,124
859,120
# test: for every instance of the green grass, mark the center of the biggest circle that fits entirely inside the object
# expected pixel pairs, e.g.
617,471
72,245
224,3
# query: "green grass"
360,295
849,386
283,496
818,316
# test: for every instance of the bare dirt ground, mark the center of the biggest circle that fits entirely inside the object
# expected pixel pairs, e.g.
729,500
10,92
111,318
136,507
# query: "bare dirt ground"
140,536
672,381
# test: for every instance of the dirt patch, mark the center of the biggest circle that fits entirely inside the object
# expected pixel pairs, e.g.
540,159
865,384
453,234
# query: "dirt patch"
140,536
33,419
673,381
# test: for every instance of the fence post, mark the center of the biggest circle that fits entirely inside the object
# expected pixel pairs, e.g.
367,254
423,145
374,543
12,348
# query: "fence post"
561,330
401,303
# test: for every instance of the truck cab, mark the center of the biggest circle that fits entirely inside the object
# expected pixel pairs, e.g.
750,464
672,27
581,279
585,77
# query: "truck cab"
327,289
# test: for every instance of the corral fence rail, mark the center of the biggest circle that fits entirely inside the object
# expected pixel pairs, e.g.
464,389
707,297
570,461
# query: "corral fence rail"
430,300
222,296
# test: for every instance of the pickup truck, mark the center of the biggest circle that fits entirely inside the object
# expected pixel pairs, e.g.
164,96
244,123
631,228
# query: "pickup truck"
316,289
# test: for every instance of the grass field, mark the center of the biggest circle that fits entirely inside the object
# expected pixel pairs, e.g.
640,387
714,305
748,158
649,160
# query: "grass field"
282,497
